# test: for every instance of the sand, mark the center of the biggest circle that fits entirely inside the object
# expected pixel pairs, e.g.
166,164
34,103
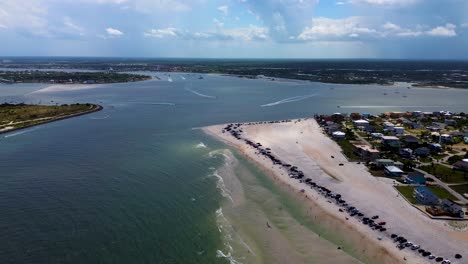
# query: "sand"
303,144
67,87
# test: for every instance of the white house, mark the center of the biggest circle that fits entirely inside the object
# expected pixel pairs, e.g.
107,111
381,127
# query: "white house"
399,130
361,123
339,134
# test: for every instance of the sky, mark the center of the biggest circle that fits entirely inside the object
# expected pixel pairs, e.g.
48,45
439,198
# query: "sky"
392,29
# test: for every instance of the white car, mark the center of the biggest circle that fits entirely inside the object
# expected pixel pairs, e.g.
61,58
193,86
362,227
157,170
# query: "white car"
446,261
431,257
414,247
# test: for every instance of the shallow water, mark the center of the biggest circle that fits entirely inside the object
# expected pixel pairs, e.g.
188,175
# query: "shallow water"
133,183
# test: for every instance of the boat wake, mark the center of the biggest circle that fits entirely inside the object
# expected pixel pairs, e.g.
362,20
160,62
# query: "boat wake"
200,94
14,134
182,77
169,79
100,118
289,100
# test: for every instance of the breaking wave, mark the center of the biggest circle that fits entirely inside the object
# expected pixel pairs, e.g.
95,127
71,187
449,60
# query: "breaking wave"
14,134
289,100
201,145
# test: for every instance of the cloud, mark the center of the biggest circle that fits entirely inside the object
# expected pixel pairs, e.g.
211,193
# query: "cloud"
443,31
112,32
25,18
224,9
385,3
328,29
250,33
284,18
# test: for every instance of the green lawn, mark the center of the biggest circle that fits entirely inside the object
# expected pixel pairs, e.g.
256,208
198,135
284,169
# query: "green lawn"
446,174
441,192
407,192
461,189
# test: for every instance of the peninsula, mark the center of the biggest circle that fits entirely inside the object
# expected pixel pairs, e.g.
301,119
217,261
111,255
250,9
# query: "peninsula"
19,116
373,209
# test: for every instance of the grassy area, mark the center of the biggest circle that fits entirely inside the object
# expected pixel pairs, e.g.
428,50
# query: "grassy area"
446,174
441,192
461,189
407,192
21,115
70,77
347,148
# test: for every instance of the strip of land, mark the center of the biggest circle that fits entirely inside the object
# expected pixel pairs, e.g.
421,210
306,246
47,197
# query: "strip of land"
302,144
20,116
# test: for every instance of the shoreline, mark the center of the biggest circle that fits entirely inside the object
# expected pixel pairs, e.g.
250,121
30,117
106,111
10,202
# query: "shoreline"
321,168
95,108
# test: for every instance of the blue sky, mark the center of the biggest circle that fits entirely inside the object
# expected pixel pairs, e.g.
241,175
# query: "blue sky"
401,29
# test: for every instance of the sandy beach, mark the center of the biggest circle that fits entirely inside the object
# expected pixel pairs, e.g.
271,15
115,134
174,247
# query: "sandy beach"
302,143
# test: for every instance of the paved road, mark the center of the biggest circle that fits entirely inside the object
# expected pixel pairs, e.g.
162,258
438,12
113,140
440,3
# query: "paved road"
445,186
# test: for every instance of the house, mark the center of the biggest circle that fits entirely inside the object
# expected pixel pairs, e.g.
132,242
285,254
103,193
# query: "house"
391,141
388,125
409,139
361,123
415,177
417,113
435,147
399,164
384,162
461,165
369,129
393,171
422,152
446,138
450,122
424,196
406,153
376,135
399,130
452,208
415,125
366,152
332,127
339,134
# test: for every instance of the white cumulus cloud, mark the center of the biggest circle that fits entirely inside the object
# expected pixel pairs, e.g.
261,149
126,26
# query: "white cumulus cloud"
113,32
443,31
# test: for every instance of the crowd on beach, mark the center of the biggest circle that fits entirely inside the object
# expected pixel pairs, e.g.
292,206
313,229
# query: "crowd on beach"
372,221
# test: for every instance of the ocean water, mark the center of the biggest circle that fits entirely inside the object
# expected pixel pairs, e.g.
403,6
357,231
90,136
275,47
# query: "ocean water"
135,182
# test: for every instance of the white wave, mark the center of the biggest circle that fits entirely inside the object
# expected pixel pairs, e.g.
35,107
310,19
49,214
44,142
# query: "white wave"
201,145
182,77
289,100
200,94
222,187
169,79
20,132
388,106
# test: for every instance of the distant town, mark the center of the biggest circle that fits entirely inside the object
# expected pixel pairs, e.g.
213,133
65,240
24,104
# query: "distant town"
416,73
425,153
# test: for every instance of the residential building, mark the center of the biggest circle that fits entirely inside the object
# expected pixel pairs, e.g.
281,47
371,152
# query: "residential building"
422,152
435,147
452,208
377,135
384,162
393,171
339,134
366,152
409,139
406,153
391,141
446,138
399,130
424,196
450,122
461,165
361,123
415,177
388,125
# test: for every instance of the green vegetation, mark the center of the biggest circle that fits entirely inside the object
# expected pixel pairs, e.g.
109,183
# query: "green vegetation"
347,148
441,192
461,189
446,174
69,77
407,192
15,116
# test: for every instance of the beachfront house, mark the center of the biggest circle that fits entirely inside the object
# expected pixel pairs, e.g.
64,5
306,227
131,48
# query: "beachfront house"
339,134
380,163
361,123
391,141
424,196
388,126
399,130
393,171
461,165
422,152
409,140
415,177
452,208
366,152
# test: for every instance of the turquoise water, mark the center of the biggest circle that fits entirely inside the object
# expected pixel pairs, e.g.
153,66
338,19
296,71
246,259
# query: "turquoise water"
132,183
